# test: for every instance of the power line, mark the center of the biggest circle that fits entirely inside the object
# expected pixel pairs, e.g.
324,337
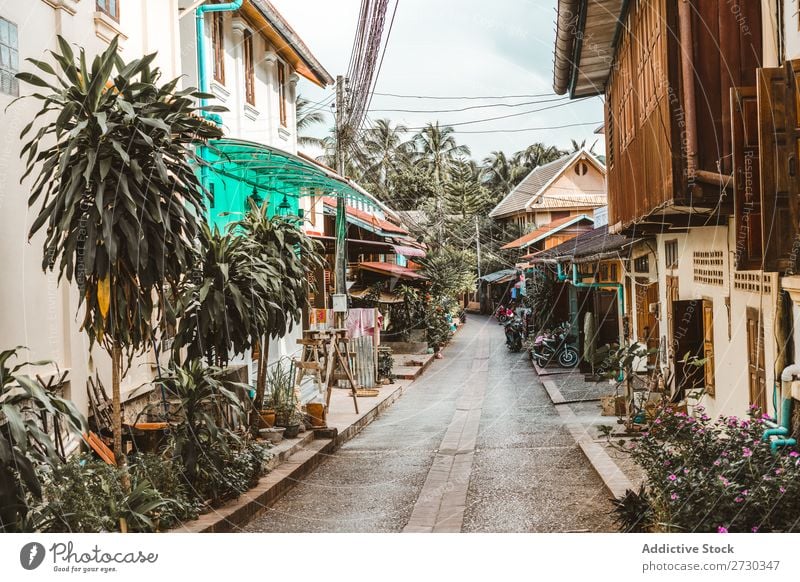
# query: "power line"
442,97
491,105
526,128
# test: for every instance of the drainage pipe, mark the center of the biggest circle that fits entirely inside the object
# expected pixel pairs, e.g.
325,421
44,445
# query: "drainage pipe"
202,76
781,429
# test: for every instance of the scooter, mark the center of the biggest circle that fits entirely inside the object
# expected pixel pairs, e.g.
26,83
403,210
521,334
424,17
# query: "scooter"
555,345
503,314
514,332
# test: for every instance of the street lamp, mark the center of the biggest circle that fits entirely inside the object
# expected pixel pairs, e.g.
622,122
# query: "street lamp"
284,208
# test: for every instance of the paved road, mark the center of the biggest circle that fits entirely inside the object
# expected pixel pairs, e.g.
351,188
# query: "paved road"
474,445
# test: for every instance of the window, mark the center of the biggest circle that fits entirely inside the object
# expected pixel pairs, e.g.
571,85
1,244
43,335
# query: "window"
110,7
642,264
581,168
9,58
282,92
218,39
249,71
671,254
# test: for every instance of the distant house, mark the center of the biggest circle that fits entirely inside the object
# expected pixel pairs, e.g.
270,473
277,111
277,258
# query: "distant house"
569,186
552,234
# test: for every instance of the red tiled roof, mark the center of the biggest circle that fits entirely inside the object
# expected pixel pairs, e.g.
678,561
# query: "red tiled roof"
545,231
380,223
392,270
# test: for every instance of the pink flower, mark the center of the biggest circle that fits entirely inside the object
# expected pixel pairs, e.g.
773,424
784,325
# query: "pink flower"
745,491
754,529
782,489
794,454
747,452
657,421
722,529
724,481
738,500
674,496
717,463
672,477
685,471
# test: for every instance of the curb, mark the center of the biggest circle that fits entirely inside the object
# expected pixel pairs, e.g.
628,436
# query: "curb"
615,480
298,462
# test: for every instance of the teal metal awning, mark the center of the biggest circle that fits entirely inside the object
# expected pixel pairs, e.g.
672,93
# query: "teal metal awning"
242,169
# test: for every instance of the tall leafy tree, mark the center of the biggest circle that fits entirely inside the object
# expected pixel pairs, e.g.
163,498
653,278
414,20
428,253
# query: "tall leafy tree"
307,117
115,182
537,154
438,151
463,194
501,173
384,152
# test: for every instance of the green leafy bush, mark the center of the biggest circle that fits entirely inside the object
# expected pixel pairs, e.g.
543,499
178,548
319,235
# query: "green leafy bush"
705,475
86,495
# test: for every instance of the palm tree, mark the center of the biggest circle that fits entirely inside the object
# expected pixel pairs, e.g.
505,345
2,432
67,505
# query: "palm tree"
537,154
307,117
501,174
383,151
438,151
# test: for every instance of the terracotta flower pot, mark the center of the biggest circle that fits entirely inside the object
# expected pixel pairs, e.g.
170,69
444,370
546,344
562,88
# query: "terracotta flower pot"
267,418
316,412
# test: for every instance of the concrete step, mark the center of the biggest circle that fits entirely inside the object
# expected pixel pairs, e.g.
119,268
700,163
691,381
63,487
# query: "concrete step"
410,366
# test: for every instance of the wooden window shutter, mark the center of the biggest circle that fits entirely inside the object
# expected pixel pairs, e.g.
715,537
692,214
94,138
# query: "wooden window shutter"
708,345
746,179
774,148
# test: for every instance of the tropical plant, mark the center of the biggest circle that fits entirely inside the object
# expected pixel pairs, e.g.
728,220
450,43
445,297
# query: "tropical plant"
384,152
450,271
437,150
501,174
291,257
385,363
540,298
117,189
201,438
537,154
463,194
283,398
307,117
222,307
409,314
715,475
24,446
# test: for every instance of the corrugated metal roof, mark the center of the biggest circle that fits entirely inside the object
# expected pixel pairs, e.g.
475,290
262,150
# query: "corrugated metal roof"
499,276
568,200
531,185
589,244
545,231
392,270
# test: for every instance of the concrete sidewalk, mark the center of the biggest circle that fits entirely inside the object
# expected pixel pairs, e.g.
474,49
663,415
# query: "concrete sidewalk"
293,459
578,404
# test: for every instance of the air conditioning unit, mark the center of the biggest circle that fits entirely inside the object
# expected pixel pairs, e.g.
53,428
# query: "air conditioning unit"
654,308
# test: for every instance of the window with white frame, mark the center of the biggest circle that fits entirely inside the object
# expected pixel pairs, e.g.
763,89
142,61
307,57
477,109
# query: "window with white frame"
9,58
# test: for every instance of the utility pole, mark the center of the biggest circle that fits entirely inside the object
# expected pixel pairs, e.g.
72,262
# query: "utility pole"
340,266
478,251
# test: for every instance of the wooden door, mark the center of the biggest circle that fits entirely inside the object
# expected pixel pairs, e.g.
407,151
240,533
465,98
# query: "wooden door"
755,359
688,343
708,346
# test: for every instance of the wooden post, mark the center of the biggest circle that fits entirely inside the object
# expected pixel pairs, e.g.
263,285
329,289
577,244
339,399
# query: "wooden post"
376,342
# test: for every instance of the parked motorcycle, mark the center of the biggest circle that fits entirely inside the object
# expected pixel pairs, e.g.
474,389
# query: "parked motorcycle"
503,314
555,346
514,333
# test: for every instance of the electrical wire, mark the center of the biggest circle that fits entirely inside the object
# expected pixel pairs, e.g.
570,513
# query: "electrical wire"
451,98
470,107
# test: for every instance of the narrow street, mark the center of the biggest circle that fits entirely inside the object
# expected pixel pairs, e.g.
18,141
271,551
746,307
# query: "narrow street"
475,445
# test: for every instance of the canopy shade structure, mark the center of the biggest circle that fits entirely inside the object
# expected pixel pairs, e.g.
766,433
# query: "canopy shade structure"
499,276
392,270
384,296
242,169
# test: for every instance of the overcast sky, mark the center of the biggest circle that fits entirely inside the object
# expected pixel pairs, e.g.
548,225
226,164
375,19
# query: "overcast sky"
456,48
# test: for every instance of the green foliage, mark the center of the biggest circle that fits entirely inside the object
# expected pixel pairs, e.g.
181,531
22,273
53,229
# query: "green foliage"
385,363
222,305
409,314
115,179
705,475
24,447
633,512
200,438
451,271
282,396
87,495
410,186
540,298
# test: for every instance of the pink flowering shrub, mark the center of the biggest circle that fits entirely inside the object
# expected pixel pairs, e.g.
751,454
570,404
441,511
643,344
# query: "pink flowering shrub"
705,475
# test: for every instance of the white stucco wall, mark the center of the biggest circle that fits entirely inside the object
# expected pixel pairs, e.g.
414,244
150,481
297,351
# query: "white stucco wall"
732,395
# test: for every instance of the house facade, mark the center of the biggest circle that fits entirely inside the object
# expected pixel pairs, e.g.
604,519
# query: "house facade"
570,186
254,61
697,117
